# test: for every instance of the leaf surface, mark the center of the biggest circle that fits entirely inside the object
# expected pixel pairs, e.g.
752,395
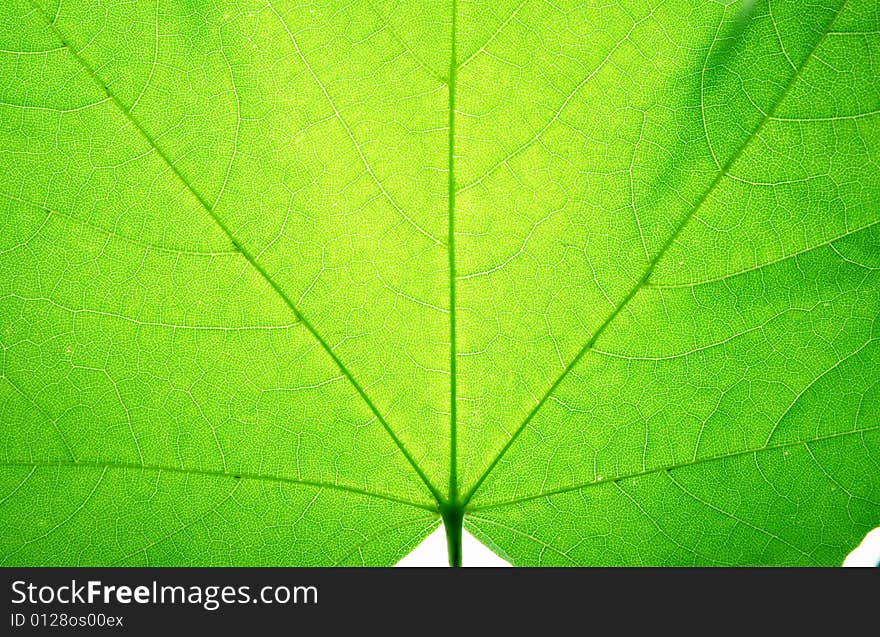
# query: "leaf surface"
286,283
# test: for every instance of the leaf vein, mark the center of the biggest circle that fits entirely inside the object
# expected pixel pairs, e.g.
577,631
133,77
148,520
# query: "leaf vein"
244,251
189,471
653,263
673,467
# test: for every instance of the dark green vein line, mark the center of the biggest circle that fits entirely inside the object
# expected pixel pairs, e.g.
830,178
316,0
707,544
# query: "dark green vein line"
52,212
89,464
244,251
653,262
450,242
639,474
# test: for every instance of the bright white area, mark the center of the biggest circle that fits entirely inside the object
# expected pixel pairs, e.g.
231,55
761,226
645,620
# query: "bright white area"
867,553
432,552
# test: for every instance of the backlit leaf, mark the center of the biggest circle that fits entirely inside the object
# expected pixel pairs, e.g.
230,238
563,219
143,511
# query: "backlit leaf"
290,283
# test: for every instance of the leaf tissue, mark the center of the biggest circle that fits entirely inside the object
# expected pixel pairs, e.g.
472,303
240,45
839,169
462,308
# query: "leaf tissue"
293,283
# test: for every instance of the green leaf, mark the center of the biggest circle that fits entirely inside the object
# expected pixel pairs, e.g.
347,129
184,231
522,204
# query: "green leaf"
288,283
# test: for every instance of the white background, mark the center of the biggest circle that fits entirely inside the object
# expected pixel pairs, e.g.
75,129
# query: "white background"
432,552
